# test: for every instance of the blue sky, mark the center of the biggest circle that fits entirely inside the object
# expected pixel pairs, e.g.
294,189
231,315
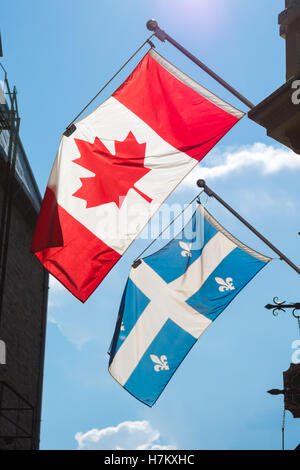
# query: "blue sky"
59,53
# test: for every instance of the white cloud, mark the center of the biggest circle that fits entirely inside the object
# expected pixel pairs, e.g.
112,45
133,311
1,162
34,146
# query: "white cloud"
57,293
265,158
129,435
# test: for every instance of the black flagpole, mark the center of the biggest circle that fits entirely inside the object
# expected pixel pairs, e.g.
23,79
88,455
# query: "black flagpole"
152,25
211,193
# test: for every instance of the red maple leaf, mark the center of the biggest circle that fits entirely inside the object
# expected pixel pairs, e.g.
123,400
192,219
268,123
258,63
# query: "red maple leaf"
114,174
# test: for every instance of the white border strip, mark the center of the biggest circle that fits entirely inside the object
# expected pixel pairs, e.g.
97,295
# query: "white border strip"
164,304
196,86
241,245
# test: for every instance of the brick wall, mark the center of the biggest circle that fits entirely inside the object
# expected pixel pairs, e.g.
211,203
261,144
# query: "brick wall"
22,326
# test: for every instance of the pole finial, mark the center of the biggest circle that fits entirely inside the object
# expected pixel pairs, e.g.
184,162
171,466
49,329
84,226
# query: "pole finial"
201,183
152,25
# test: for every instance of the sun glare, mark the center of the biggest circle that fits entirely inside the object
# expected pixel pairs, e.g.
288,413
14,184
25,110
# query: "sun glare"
203,16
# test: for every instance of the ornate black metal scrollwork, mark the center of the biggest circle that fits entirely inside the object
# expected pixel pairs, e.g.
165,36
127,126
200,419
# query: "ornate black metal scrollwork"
282,306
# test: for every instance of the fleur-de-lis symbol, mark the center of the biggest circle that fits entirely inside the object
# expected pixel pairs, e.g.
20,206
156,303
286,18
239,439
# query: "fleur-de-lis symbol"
187,249
225,285
161,363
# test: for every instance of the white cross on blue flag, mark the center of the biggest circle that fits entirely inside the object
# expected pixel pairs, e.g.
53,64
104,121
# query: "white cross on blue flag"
171,298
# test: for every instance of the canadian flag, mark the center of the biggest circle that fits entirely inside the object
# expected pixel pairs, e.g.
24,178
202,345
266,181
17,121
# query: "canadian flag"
119,165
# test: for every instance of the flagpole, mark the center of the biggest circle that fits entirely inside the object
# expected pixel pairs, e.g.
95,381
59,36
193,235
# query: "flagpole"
152,25
71,127
211,193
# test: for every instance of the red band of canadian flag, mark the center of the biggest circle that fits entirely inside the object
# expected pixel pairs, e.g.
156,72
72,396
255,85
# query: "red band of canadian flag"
132,151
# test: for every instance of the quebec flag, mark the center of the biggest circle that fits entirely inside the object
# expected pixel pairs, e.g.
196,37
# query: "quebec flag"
171,298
